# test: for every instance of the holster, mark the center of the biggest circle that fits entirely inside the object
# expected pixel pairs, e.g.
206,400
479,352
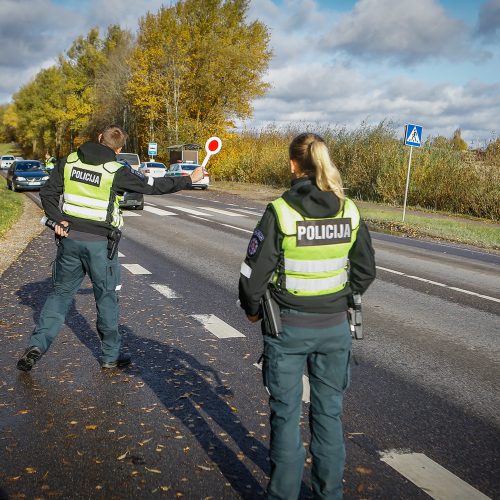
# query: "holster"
113,239
271,315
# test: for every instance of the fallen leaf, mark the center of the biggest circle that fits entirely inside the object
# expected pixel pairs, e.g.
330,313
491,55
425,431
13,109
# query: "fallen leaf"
142,443
23,412
363,470
30,470
203,467
165,488
91,427
155,471
121,457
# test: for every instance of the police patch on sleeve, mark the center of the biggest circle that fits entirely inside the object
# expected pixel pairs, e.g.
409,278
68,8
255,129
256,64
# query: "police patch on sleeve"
255,241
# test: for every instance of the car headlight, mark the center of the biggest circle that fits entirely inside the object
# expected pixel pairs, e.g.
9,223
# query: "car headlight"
45,178
20,178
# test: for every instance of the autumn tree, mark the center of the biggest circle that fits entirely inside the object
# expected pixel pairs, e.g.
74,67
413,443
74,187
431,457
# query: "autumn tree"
196,68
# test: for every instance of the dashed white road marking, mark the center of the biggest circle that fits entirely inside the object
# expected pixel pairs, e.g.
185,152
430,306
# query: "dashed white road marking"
431,477
158,211
150,204
188,210
216,326
248,212
166,291
120,254
223,212
306,388
130,214
136,269
436,283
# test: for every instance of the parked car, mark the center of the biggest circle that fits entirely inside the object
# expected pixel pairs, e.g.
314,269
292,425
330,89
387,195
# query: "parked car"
183,169
6,161
131,200
153,169
26,174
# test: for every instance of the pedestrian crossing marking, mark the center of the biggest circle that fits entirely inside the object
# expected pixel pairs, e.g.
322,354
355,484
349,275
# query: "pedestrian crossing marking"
431,477
223,212
158,211
189,210
166,291
216,326
249,212
120,254
130,214
136,269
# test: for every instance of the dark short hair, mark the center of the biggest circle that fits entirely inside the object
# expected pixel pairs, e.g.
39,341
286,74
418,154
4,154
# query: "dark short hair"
114,137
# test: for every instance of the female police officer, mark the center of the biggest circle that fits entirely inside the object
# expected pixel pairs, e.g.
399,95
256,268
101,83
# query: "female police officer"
312,251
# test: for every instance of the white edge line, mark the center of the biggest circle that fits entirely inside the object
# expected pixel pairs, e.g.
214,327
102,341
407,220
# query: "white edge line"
436,283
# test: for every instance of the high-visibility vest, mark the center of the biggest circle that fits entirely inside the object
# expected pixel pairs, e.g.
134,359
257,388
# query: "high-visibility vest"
49,163
315,251
87,191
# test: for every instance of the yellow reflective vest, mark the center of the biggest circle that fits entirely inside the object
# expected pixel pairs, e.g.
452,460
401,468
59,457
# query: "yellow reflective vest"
87,191
315,251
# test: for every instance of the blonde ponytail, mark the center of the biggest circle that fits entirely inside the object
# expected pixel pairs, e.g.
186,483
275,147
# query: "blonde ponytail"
327,175
311,154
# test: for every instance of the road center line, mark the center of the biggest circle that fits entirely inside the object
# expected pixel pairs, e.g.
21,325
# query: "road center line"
436,283
136,269
157,211
216,326
166,291
431,477
220,211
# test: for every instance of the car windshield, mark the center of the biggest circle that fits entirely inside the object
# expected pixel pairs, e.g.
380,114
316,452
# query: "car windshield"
155,165
7,157
130,158
189,167
28,166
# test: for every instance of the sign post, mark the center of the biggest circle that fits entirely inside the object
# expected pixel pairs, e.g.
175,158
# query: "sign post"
413,138
212,147
152,150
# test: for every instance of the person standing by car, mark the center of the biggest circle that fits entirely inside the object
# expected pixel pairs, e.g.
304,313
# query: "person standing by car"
50,162
88,229
311,251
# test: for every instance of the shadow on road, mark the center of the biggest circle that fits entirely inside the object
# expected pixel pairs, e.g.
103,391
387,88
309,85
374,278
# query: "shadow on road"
188,389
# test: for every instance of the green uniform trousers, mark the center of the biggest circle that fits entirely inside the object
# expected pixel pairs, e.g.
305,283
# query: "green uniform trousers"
75,259
327,353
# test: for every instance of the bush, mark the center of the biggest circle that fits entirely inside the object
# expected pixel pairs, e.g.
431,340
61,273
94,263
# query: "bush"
373,163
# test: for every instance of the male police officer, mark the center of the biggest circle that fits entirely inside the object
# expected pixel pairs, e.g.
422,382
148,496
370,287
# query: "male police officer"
91,182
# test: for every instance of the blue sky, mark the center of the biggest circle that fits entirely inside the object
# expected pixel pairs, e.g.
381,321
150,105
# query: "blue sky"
336,62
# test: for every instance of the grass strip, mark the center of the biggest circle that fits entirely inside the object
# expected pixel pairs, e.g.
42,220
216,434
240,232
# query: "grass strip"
11,207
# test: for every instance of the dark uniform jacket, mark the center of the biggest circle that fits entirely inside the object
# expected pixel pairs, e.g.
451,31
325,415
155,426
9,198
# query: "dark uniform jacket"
264,252
126,179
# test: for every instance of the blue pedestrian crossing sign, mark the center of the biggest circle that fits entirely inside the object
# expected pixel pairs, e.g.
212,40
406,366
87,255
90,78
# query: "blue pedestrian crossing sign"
413,135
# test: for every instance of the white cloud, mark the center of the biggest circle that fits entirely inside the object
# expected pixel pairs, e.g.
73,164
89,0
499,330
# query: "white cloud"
406,32
340,96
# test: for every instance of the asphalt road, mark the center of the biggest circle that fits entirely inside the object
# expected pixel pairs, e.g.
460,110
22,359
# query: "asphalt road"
189,419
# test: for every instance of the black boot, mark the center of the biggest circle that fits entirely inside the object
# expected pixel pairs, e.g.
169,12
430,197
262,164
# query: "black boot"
122,361
29,358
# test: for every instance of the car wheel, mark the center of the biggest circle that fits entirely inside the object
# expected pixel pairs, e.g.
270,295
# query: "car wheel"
204,188
140,207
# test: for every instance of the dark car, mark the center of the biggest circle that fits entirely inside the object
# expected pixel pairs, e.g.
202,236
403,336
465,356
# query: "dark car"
26,174
131,200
